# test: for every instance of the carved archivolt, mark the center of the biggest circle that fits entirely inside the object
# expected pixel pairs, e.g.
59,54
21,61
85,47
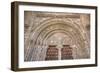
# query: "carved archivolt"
39,33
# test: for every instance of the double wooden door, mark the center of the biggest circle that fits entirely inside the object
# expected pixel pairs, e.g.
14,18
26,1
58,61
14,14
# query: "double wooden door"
52,52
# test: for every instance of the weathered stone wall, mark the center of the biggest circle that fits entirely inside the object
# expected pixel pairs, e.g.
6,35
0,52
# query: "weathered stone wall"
41,28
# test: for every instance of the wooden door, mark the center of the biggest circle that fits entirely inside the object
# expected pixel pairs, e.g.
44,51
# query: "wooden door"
52,53
66,52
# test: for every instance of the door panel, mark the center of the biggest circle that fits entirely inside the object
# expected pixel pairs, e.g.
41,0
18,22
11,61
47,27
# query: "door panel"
52,53
66,52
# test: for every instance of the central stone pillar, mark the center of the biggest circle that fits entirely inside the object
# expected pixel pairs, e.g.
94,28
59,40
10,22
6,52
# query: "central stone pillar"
59,52
59,46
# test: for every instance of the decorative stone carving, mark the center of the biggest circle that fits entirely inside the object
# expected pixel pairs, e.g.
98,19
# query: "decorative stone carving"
42,27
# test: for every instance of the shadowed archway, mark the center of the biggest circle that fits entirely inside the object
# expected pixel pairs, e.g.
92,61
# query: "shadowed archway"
41,34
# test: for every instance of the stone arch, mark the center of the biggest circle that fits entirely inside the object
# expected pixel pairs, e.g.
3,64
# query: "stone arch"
42,27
